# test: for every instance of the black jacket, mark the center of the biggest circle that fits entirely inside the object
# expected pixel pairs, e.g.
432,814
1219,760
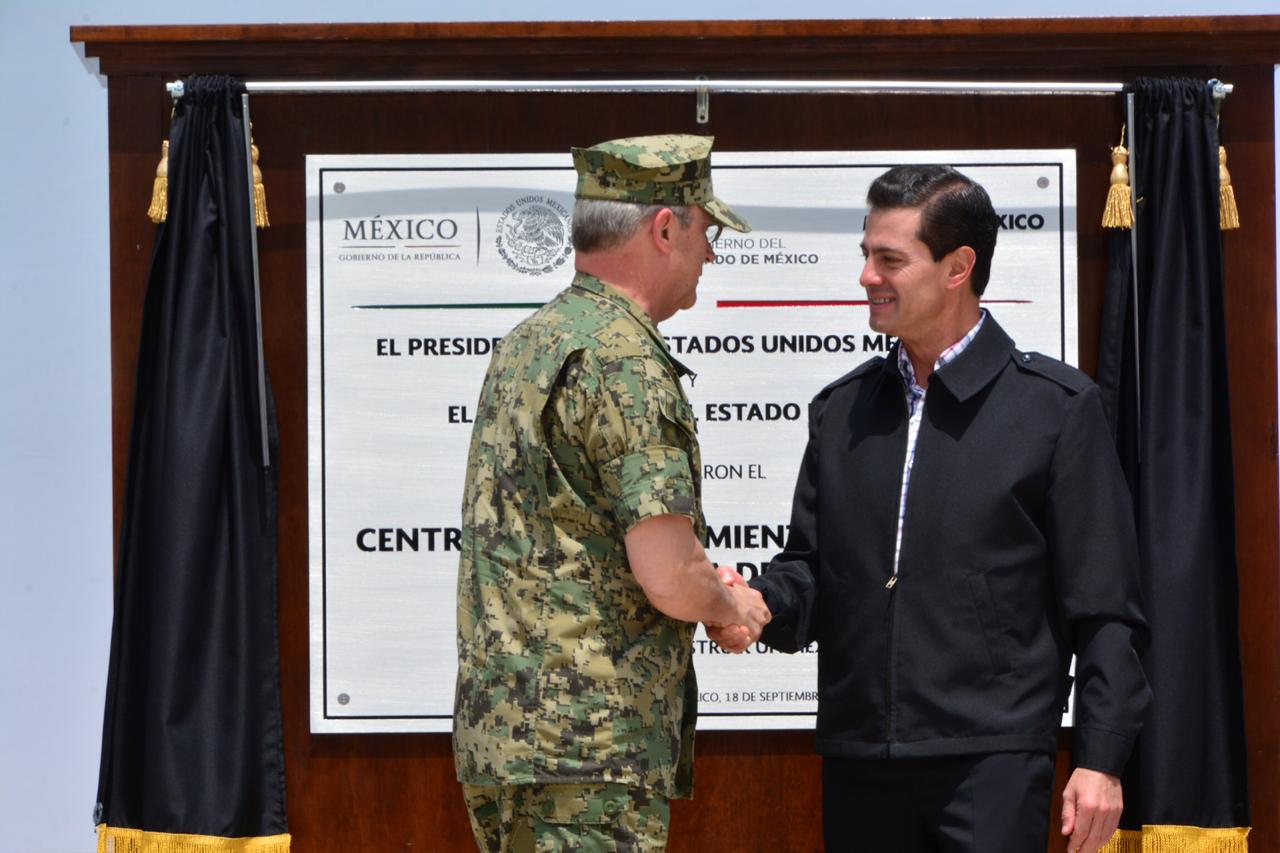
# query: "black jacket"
1018,549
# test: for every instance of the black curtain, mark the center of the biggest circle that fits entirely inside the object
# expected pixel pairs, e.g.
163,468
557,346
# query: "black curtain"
1168,401
192,740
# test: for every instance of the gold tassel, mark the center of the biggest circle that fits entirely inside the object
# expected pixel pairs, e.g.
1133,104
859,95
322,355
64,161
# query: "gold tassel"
259,192
1179,839
1228,215
113,839
1119,210
159,210
1124,841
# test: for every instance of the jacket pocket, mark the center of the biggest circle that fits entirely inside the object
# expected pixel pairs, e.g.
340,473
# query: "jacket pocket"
992,631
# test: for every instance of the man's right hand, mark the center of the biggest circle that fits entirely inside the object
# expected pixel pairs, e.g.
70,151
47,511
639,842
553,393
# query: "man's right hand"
729,576
672,568
753,614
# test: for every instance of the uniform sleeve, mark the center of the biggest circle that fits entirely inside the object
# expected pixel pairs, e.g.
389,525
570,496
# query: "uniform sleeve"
639,433
790,587
1096,571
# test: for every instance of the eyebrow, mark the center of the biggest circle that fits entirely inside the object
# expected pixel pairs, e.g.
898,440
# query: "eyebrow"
880,248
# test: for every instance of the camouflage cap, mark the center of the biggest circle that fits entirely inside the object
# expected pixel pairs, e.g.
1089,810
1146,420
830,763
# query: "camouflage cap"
671,168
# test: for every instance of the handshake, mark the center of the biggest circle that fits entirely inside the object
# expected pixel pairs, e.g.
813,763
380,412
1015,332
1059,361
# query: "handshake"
752,614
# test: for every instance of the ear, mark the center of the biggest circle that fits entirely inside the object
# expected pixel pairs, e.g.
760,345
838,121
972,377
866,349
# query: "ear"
662,230
960,267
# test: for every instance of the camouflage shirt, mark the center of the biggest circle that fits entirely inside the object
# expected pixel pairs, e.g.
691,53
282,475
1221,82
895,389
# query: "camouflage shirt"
566,672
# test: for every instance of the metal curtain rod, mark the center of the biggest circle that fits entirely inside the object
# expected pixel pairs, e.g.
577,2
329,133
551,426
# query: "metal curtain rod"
701,85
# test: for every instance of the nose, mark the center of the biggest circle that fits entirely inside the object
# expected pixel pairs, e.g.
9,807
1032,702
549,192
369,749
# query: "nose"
869,277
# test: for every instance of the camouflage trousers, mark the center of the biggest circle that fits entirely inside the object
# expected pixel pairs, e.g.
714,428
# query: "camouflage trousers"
594,818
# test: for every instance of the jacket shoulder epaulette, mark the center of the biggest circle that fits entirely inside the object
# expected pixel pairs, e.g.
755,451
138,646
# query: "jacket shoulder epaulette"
858,372
1052,369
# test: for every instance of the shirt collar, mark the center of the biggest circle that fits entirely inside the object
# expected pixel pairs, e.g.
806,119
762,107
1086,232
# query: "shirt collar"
988,354
948,355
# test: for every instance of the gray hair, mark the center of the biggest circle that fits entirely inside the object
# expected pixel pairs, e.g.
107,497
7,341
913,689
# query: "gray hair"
605,224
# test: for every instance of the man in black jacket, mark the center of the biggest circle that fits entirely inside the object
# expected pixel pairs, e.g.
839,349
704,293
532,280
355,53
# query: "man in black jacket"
960,528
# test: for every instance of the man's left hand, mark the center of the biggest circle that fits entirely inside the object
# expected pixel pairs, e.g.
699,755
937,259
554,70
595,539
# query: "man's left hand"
1091,806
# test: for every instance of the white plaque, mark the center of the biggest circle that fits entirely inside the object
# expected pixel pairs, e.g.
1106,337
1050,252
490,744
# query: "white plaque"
417,265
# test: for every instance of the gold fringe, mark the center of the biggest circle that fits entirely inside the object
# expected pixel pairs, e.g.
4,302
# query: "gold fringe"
112,839
159,210
259,192
1124,841
1179,839
1228,215
1119,210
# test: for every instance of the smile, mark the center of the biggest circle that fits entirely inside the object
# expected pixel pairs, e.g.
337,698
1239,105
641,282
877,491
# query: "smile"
880,300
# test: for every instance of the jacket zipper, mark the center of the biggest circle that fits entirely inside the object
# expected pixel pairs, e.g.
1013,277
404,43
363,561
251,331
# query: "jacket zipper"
892,585
889,668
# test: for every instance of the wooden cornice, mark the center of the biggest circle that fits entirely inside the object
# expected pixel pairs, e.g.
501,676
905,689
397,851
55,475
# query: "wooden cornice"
1003,47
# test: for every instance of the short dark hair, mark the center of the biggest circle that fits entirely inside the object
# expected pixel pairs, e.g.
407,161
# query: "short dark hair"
955,211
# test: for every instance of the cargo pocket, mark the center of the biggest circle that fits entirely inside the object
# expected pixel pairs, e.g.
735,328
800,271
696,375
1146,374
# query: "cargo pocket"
567,805
992,631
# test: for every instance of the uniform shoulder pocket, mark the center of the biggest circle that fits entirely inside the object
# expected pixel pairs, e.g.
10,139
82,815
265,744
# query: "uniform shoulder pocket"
676,409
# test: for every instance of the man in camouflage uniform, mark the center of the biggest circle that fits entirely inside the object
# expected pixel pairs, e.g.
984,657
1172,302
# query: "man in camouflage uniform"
582,568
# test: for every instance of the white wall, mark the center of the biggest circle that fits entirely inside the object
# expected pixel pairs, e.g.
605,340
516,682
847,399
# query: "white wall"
55,382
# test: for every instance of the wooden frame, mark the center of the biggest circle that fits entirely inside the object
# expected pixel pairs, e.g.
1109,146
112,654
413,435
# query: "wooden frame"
365,792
